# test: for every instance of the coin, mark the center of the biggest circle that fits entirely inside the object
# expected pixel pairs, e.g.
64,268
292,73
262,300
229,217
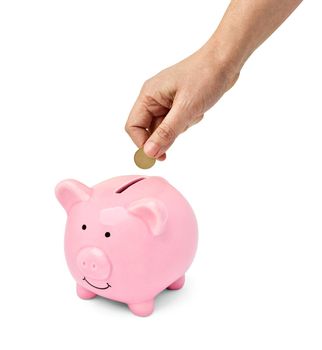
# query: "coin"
142,160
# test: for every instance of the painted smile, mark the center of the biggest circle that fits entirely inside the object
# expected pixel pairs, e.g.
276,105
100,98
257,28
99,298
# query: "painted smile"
107,284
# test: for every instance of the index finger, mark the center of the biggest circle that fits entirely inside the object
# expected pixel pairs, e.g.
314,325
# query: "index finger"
138,122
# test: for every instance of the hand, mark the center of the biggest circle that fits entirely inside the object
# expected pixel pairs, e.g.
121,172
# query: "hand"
177,98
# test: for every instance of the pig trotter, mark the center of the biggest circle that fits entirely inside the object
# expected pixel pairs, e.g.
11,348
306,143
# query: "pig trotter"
142,309
84,293
177,284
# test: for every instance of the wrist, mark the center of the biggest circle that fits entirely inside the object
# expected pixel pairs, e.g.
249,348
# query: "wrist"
224,62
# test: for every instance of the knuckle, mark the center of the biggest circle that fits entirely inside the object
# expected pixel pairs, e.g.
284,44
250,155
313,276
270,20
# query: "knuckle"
127,128
146,85
198,118
194,120
166,132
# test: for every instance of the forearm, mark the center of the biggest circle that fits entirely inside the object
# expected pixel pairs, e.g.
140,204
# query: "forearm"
245,26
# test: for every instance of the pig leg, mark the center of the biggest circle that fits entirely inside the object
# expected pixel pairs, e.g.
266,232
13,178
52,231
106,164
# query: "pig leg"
142,309
177,284
84,293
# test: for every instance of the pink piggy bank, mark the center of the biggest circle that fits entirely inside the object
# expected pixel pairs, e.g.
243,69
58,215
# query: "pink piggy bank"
127,238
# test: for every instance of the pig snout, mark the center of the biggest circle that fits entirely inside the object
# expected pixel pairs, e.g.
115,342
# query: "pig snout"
93,263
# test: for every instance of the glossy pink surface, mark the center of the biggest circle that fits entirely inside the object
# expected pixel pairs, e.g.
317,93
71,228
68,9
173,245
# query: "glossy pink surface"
127,238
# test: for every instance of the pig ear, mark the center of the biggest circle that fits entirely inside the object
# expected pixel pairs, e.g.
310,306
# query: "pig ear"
70,192
152,212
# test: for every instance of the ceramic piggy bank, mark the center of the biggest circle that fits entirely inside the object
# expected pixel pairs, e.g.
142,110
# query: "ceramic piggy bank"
127,238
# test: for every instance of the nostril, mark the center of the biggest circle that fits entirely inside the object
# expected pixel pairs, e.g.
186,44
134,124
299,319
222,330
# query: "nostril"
93,263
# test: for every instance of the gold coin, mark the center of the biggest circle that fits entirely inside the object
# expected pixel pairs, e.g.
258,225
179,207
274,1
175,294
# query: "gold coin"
142,160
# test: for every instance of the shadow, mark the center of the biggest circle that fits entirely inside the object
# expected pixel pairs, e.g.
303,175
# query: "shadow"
163,301
110,305
167,298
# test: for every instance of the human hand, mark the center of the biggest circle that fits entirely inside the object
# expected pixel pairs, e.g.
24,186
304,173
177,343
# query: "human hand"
177,98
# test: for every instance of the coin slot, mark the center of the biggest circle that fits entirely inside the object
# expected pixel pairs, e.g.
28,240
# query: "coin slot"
129,184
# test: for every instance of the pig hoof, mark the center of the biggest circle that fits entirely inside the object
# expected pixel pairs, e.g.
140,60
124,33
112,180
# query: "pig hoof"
142,309
84,293
177,284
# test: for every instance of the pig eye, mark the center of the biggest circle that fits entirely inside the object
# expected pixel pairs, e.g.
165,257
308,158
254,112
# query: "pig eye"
84,227
107,234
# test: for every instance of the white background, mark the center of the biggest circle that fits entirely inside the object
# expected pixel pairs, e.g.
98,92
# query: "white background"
69,74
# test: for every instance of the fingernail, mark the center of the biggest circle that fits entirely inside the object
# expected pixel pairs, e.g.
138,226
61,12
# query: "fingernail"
159,153
162,158
151,148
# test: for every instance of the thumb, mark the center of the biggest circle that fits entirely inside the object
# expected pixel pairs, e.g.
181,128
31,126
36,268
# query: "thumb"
166,133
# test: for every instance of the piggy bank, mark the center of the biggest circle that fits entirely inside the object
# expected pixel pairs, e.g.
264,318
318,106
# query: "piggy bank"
127,238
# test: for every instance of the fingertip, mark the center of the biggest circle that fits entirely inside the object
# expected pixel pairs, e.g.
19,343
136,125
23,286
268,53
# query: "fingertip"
162,158
151,149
